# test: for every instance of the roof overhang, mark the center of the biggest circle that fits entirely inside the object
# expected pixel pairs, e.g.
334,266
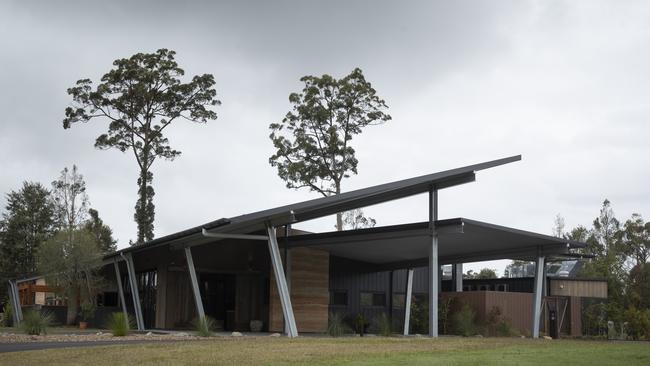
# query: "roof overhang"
460,240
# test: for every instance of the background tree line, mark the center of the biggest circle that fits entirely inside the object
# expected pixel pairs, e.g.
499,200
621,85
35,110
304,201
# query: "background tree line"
54,232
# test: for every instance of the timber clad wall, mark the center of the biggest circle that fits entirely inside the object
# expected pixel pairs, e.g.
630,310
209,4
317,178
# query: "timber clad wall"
514,306
581,288
309,292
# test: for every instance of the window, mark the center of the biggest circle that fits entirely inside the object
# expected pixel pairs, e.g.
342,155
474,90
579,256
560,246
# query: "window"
468,288
373,299
399,301
502,287
339,298
483,287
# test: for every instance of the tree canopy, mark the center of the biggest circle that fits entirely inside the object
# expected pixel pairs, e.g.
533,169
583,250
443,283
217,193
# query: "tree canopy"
313,141
140,98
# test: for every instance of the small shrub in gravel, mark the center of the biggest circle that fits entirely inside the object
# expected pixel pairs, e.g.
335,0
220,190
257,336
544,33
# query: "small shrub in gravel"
204,326
119,324
36,322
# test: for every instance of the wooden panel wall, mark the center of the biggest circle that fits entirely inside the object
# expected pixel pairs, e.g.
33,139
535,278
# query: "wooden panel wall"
597,289
309,292
515,306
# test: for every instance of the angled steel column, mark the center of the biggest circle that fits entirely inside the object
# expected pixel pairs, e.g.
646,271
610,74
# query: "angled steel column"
195,283
15,303
135,295
120,290
537,295
457,272
281,282
407,300
434,266
287,268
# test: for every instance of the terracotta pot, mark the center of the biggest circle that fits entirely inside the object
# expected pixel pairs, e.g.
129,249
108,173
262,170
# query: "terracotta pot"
83,325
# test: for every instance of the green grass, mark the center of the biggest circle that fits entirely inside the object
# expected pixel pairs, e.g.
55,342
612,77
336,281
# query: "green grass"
346,351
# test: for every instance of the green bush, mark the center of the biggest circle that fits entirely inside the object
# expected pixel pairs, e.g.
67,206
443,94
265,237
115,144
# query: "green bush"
384,325
336,325
638,323
36,322
119,324
204,326
464,321
419,323
8,314
87,311
360,324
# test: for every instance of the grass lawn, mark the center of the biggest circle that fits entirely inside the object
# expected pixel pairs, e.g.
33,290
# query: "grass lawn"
346,351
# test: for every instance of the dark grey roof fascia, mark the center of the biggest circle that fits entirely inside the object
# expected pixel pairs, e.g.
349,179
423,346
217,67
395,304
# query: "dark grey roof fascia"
439,223
325,206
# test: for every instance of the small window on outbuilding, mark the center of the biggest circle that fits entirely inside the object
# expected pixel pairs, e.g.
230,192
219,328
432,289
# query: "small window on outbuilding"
339,297
373,299
502,287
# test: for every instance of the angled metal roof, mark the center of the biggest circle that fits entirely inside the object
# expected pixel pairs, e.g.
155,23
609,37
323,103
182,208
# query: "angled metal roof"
325,206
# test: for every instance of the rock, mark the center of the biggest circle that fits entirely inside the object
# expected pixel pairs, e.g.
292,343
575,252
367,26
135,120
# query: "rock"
478,336
417,335
182,334
523,337
149,334
548,338
236,334
275,335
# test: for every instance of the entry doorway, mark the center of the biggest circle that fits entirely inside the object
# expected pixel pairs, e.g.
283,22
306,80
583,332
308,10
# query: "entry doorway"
218,292
233,300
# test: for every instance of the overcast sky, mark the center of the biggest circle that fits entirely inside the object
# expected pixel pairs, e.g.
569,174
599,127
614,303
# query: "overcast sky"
564,83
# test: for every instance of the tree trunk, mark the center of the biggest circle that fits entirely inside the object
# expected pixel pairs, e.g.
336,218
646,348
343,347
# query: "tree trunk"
71,317
144,208
339,215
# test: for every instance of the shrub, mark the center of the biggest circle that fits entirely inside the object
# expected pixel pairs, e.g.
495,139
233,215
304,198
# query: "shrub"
87,311
638,323
119,324
464,321
361,324
419,323
443,314
204,326
8,314
384,325
36,322
336,325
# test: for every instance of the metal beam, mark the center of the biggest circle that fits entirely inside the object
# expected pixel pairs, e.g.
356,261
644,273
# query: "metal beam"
195,283
281,282
537,295
434,266
287,274
135,295
120,290
233,236
407,300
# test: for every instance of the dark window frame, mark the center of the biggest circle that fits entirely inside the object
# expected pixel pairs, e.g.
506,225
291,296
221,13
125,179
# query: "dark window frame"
373,298
332,297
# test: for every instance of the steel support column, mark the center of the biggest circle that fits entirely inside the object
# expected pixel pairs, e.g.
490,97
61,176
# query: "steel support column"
537,295
195,283
15,303
457,274
120,291
434,266
407,300
281,282
287,256
135,295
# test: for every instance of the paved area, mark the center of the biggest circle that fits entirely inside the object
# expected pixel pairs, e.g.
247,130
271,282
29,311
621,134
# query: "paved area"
31,346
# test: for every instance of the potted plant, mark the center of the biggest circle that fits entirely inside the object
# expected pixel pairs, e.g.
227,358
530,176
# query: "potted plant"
87,313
